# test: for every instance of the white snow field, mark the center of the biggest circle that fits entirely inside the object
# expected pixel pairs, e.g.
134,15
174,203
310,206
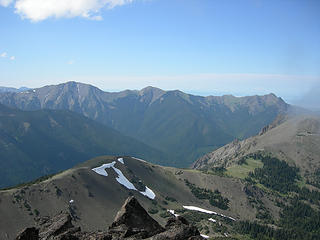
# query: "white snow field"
193,208
102,169
121,178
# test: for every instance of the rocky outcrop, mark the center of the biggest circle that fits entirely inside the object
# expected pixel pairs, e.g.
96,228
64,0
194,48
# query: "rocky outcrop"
131,223
54,227
178,228
28,234
226,155
280,119
132,219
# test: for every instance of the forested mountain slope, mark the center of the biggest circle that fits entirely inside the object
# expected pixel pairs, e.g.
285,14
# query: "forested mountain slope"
36,143
183,125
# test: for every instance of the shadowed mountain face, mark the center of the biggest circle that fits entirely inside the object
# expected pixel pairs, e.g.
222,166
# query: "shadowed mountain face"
183,125
43,142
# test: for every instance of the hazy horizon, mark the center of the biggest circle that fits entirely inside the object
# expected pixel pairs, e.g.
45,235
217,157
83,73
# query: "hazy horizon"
203,47
309,100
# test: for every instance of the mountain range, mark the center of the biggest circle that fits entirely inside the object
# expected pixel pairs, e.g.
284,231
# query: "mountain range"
37,143
183,126
263,187
10,89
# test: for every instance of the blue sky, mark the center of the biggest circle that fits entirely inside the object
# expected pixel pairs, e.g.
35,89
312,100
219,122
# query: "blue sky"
200,46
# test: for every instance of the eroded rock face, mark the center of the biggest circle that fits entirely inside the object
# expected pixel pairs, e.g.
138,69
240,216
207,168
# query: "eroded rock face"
56,226
29,234
178,228
132,219
131,223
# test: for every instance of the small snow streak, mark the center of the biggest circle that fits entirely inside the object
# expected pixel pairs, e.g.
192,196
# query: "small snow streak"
149,193
173,213
121,160
204,236
192,208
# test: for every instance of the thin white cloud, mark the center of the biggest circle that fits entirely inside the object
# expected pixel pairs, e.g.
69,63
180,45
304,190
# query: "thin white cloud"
12,58
3,55
5,3
38,10
70,62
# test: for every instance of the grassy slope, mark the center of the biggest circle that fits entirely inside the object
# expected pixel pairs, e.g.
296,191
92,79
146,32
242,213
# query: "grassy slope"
242,171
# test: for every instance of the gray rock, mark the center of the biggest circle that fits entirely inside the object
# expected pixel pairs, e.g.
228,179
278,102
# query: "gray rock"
131,223
28,234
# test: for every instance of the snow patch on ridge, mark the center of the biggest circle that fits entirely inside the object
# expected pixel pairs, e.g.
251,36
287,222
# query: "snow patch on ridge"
204,236
102,169
192,208
139,159
173,213
149,193
121,178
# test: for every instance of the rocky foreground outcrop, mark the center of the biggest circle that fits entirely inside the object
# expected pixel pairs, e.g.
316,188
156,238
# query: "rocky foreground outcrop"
131,223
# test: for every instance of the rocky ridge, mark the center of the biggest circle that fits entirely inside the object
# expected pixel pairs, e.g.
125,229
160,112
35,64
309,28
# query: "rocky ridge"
292,139
131,223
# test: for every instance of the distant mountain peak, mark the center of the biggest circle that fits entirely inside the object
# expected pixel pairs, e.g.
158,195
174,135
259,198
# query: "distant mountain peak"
15,90
151,89
152,93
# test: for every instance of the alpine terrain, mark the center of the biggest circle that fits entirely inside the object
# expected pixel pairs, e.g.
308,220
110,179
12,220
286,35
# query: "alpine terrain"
182,125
